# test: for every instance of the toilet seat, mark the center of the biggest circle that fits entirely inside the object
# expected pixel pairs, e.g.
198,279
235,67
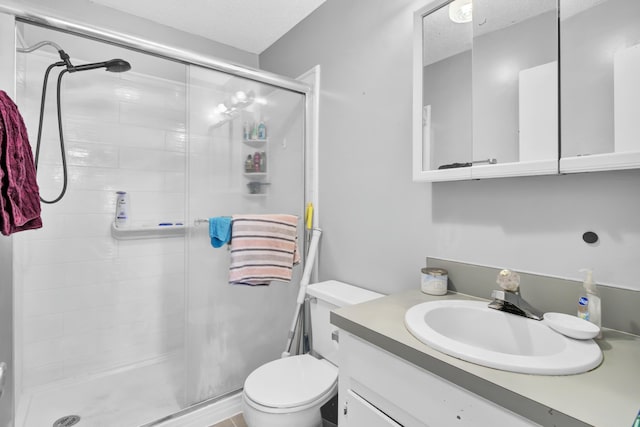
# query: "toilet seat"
293,382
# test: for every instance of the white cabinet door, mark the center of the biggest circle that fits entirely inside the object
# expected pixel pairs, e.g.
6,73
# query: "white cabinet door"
410,396
361,413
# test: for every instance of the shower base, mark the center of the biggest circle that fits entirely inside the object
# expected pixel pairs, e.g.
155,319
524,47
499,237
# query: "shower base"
126,397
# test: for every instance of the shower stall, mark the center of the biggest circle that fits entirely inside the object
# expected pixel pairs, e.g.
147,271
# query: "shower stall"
134,326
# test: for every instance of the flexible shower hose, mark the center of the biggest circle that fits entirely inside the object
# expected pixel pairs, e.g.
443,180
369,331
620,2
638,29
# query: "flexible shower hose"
60,132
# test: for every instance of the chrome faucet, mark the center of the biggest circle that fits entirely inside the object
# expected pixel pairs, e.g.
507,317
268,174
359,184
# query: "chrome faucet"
509,299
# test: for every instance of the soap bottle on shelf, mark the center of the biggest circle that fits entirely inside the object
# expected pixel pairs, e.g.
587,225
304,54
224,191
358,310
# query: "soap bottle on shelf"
122,209
263,161
256,162
589,303
254,131
248,164
262,130
245,131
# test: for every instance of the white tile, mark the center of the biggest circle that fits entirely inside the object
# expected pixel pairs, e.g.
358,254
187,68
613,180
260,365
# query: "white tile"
87,320
83,202
62,300
141,137
42,353
80,346
175,182
156,91
44,374
78,154
71,250
50,276
158,116
90,131
75,226
155,160
40,328
160,205
147,265
167,249
176,141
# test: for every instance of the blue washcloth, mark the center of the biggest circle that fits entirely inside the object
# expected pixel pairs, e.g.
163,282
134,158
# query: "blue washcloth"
220,230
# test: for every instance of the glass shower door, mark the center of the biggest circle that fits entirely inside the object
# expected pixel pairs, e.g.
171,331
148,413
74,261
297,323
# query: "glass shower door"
245,156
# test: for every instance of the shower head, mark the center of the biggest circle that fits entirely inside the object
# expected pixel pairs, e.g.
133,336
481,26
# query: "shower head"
113,65
118,66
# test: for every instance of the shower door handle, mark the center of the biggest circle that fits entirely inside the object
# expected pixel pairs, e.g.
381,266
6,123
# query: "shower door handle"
3,376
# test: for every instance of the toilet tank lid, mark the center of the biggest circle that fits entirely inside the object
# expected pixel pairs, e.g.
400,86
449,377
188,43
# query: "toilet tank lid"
341,294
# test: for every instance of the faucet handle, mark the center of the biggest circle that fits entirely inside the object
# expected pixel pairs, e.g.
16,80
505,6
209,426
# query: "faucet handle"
508,280
496,294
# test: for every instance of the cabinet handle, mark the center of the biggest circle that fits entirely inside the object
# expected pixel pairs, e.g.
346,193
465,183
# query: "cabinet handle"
335,336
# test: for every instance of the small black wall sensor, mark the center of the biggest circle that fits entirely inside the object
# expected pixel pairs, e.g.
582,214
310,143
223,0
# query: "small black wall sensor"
590,237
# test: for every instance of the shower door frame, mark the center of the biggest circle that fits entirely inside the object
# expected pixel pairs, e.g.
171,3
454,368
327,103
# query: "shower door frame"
187,57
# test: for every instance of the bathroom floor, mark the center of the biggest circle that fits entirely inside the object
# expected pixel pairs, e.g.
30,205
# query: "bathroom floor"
235,421
238,421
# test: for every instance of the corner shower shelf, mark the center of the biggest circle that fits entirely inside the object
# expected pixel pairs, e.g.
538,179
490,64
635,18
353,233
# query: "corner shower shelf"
255,142
146,232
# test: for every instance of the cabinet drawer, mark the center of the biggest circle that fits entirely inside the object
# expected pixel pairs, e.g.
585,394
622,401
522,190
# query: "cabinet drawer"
361,413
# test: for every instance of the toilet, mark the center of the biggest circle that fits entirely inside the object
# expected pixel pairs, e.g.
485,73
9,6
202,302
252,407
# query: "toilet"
289,392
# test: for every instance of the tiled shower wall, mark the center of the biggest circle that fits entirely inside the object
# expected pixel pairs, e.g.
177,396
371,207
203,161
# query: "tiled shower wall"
88,303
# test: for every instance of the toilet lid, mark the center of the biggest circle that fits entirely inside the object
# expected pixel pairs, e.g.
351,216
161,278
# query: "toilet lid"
290,382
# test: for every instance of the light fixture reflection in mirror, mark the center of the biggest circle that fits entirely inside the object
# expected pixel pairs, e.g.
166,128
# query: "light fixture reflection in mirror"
461,11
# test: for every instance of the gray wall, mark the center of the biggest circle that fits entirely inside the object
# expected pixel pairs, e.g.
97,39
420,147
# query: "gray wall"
86,12
379,225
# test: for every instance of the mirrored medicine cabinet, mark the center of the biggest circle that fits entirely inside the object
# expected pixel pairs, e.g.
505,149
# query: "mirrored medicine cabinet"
525,87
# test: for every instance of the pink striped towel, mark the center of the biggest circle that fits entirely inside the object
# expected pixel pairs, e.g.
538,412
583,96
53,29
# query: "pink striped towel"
263,248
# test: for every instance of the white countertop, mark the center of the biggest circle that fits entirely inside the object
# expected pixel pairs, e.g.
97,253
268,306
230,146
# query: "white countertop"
606,396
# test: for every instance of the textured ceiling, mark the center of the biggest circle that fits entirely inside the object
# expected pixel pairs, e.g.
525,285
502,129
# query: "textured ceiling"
250,25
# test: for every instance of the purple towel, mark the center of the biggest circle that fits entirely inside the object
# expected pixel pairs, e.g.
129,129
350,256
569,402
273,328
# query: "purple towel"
19,194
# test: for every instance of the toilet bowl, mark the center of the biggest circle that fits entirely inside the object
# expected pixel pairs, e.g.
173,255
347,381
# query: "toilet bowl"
289,392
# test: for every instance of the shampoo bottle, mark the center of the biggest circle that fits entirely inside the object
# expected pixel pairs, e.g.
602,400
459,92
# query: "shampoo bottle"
589,304
262,130
122,209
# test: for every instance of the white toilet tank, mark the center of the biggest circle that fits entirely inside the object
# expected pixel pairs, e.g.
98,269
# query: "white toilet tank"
327,296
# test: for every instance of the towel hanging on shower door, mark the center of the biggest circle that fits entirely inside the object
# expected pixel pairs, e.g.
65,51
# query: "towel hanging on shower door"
19,193
263,248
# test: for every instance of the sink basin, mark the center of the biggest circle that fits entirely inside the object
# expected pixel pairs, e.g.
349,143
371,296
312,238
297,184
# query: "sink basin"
471,331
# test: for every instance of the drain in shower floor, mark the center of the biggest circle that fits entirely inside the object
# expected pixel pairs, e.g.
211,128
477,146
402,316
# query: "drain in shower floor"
67,421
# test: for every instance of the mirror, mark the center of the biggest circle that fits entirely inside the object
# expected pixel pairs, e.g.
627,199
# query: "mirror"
447,91
486,78
600,53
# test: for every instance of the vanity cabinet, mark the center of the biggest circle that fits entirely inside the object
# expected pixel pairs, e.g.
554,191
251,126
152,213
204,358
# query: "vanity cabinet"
378,389
515,88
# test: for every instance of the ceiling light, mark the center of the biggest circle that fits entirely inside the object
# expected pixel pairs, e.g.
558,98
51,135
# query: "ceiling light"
461,11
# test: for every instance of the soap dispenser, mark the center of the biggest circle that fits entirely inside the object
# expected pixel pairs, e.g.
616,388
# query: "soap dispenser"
589,304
